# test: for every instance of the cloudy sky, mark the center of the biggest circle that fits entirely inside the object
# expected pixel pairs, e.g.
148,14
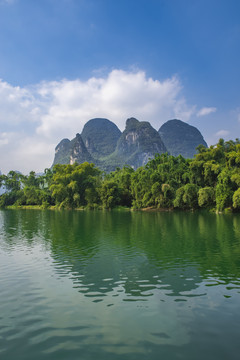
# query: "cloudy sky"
63,62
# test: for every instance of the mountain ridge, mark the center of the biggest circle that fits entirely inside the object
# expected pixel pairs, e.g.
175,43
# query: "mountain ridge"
102,143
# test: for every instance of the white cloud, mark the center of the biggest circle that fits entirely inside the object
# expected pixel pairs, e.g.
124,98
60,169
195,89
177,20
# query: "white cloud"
17,104
206,111
118,96
34,119
222,133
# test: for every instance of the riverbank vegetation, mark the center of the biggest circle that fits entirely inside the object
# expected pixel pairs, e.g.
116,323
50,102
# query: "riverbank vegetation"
210,180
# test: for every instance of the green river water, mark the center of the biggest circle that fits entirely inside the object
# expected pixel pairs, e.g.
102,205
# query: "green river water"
119,285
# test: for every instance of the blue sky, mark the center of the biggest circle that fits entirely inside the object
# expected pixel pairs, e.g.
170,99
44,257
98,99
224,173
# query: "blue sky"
63,62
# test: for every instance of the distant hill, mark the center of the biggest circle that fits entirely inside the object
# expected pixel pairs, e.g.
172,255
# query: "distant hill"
102,143
181,138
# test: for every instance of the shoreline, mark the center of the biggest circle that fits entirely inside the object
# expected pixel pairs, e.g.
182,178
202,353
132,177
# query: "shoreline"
117,208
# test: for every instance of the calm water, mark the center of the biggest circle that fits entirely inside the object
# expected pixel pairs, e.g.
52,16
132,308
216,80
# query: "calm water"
111,285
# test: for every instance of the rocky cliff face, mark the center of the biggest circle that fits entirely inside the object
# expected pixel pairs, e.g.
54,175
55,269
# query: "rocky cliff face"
69,152
79,152
138,143
181,138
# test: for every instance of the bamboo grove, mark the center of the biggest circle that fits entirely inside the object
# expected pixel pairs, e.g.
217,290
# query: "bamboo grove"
211,180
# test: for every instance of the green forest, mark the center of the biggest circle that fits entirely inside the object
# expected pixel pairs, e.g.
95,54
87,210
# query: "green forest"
210,180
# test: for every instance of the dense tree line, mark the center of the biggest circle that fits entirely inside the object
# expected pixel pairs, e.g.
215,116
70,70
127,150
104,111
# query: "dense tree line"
210,180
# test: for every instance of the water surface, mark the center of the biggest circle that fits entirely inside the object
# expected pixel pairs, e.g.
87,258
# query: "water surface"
119,285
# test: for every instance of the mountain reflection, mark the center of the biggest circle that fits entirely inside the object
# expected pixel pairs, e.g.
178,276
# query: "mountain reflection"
131,254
